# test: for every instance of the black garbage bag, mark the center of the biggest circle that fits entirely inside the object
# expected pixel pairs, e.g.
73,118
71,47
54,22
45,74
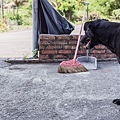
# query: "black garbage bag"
50,21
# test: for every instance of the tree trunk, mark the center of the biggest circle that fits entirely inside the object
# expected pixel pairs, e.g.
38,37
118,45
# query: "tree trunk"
2,10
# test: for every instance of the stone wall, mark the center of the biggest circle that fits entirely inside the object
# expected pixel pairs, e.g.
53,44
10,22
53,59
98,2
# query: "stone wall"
56,48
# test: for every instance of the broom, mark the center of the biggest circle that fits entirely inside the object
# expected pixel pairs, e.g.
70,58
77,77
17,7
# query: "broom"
73,66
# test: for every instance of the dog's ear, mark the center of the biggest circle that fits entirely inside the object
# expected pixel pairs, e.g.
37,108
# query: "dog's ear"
88,25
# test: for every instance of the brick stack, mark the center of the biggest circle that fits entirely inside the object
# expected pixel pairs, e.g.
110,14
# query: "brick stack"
56,48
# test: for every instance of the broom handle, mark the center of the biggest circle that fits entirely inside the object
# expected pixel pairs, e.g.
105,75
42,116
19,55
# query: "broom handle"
74,59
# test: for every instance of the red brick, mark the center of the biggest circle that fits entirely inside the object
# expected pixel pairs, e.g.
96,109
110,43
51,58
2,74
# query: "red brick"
63,37
73,42
62,42
64,52
60,57
47,37
108,51
42,47
98,51
47,42
103,56
82,51
100,47
98,56
53,47
40,37
47,52
42,57
44,42
111,55
82,47
71,47
75,37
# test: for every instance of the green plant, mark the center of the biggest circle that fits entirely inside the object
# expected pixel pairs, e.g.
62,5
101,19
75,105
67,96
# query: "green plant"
67,8
93,16
105,7
25,56
15,17
35,53
3,25
116,14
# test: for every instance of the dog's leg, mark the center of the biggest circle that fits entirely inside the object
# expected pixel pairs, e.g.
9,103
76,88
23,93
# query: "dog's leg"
118,54
118,58
116,101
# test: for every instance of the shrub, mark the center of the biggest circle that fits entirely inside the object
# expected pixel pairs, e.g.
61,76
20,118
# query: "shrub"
116,14
3,25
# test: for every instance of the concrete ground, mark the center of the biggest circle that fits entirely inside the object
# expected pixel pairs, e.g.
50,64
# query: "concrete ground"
39,92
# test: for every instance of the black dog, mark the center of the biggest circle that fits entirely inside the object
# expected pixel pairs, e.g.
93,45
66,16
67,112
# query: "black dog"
103,32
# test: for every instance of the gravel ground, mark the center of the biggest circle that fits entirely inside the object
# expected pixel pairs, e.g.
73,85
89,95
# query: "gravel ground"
38,92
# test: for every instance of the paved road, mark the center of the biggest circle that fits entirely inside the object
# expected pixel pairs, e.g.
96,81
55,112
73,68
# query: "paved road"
16,44
38,92
19,43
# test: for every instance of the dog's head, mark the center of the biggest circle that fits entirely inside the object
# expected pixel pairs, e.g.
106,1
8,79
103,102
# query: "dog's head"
90,39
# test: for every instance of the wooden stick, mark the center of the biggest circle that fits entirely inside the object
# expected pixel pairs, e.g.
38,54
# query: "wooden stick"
74,59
